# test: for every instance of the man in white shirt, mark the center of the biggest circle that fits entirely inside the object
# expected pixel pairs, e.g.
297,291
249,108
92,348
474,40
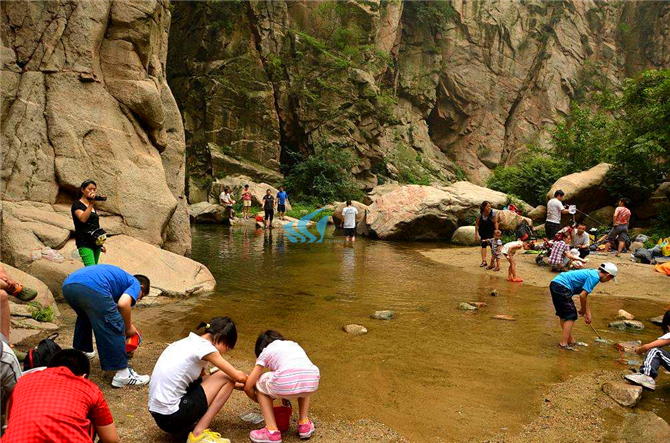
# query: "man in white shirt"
227,201
581,241
349,214
555,210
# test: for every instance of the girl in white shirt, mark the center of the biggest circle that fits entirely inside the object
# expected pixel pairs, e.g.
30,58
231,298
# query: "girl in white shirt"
182,397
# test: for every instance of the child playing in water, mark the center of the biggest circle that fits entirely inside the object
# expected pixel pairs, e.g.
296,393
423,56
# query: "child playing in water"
508,251
182,397
291,376
656,357
496,250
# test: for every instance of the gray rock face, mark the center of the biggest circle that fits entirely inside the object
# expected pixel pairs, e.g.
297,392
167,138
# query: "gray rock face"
627,324
383,315
205,212
465,235
623,393
85,96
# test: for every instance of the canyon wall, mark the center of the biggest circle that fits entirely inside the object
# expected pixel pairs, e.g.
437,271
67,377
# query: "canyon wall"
417,91
84,95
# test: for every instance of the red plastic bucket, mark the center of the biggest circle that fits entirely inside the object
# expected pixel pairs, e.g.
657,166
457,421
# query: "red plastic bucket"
283,417
133,343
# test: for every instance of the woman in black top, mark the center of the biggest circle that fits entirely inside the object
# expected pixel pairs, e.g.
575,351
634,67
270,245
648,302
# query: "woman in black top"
86,221
486,223
269,207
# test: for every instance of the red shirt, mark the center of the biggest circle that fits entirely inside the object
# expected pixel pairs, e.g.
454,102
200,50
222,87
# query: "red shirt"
55,406
621,215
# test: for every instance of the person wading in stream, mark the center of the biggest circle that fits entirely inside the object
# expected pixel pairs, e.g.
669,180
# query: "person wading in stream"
485,226
568,284
102,296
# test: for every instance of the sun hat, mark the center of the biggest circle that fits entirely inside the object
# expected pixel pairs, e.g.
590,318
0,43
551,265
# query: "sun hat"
609,268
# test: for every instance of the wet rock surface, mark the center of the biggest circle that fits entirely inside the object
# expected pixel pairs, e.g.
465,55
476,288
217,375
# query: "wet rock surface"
623,325
623,393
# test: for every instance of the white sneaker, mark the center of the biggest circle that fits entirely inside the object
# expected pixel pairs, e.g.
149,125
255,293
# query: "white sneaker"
134,379
90,355
643,380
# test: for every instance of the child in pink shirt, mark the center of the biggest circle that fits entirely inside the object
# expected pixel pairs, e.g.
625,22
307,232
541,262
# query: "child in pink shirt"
291,376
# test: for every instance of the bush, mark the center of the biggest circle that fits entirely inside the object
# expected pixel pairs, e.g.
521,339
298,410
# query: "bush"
41,313
323,177
299,210
530,179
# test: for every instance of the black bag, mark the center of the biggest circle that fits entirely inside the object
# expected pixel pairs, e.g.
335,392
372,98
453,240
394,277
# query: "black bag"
42,353
98,235
523,231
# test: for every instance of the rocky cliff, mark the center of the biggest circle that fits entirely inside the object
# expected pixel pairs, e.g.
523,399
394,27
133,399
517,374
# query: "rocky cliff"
84,95
418,91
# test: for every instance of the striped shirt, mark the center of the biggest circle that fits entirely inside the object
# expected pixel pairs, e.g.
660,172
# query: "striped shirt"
10,371
292,371
558,251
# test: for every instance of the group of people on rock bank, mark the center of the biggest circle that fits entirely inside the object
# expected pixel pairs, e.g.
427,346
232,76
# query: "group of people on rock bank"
57,402
567,250
270,204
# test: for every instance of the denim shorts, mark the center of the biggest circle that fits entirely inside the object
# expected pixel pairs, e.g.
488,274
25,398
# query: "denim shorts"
563,302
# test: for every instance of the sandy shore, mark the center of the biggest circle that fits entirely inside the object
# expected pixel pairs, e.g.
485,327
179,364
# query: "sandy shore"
635,280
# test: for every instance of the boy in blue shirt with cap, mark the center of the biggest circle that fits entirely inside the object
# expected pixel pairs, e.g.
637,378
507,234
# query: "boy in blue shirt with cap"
568,284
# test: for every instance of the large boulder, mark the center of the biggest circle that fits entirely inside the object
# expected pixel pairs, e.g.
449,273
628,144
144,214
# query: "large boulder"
465,235
599,217
174,275
507,220
539,214
362,210
236,184
651,207
205,212
473,195
585,189
378,191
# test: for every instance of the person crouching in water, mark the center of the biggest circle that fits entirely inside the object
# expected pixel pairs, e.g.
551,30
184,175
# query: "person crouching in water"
656,357
291,376
182,396
568,284
508,251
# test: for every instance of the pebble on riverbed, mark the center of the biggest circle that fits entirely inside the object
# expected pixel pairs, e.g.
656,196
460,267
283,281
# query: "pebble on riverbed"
657,320
627,324
478,304
504,317
624,315
494,293
466,307
354,329
383,315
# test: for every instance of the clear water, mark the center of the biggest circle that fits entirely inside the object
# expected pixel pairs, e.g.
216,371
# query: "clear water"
431,371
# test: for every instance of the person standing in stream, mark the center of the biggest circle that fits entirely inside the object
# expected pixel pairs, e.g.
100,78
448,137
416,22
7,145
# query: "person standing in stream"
87,221
485,226
282,199
269,208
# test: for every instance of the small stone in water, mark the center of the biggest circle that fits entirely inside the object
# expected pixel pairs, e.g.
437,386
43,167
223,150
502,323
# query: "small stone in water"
628,346
627,324
478,304
355,329
383,315
624,315
657,320
494,293
466,307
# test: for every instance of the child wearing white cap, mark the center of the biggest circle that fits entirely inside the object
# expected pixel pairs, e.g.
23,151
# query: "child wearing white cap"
568,284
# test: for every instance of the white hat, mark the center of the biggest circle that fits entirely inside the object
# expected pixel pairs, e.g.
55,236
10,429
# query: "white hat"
609,268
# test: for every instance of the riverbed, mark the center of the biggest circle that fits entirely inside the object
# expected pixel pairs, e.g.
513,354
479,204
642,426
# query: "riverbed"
433,373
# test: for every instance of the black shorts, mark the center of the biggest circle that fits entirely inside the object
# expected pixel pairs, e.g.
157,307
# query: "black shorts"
486,242
269,214
551,229
350,232
192,407
281,208
563,302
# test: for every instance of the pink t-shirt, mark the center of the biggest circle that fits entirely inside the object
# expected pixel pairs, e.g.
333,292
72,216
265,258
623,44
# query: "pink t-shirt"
292,371
621,215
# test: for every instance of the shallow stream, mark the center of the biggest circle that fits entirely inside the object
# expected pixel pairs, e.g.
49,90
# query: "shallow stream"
433,371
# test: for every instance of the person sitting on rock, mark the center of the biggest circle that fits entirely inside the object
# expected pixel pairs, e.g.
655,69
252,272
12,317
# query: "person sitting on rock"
620,219
568,284
102,297
555,210
183,397
59,405
656,357
227,202
9,286
508,251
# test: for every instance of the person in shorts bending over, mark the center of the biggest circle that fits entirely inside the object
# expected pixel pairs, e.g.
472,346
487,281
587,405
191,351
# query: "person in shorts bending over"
555,210
349,214
568,284
620,229
282,199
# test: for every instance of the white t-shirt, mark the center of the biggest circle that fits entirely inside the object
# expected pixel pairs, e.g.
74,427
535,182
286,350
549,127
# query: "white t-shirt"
554,208
178,366
349,213
284,354
580,240
225,198
512,244
664,336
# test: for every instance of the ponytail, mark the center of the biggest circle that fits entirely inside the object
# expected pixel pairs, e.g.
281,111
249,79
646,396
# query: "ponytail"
222,330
